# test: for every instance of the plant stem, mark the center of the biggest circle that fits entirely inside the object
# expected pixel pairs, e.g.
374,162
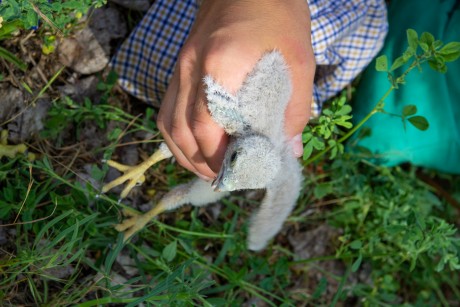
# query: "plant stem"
341,284
377,108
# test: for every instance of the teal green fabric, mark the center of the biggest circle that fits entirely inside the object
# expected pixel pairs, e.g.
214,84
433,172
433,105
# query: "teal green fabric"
437,96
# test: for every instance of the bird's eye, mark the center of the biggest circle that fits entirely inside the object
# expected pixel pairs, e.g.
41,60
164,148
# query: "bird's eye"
233,158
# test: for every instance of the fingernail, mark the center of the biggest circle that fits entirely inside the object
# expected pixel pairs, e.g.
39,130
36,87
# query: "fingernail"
205,178
297,145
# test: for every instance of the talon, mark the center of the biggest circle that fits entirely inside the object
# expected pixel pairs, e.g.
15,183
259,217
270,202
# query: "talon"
11,151
134,175
136,222
129,213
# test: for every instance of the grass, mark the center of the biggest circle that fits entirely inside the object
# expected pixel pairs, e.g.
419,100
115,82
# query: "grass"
61,248
361,234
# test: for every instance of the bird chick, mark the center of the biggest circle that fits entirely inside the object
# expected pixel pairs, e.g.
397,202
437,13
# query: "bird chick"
258,155
250,162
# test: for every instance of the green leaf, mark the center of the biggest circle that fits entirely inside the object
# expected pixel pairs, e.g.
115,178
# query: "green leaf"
438,64
381,64
8,28
409,110
307,151
437,44
320,289
32,18
357,263
408,54
317,143
333,152
306,136
356,244
398,63
345,124
346,109
450,52
169,252
412,39
419,122
427,38
322,190
424,46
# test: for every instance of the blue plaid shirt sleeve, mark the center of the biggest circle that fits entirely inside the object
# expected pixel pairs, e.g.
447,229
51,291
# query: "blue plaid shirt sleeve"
346,35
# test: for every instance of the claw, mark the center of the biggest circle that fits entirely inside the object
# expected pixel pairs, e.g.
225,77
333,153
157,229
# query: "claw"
10,151
133,174
129,213
136,222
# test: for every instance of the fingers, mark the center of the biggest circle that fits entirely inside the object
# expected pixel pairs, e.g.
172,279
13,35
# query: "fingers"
181,130
165,121
229,66
175,120
209,136
226,41
297,111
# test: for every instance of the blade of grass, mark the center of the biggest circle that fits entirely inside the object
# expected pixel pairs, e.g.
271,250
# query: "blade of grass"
8,56
48,226
340,288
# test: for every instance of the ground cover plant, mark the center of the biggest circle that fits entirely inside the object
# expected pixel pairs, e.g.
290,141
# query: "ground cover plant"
361,234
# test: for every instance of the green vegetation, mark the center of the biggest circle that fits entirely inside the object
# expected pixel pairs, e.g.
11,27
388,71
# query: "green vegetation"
386,236
56,15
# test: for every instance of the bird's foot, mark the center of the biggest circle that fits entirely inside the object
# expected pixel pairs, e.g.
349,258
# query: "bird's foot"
11,151
134,175
136,221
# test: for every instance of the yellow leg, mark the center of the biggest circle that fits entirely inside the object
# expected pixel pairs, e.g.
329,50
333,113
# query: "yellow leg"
136,222
9,151
134,174
175,198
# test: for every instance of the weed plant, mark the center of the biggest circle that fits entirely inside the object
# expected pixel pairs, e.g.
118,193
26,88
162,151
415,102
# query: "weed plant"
60,247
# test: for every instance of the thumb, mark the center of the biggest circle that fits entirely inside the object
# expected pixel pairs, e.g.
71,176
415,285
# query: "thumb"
298,109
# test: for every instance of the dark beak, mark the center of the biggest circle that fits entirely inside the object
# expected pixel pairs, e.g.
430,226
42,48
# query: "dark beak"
216,184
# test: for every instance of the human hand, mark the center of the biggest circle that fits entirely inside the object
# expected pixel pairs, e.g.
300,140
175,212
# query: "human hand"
226,41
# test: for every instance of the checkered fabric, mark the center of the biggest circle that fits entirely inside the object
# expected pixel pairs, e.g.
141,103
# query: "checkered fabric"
346,35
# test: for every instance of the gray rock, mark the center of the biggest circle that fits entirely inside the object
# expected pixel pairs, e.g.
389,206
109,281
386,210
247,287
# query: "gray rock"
23,120
107,24
12,99
81,88
83,53
314,242
136,5
128,264
88,51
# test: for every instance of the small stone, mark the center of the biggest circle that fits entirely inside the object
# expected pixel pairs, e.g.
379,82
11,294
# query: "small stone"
88,51
314,242
81,88
135,5
12,101
23,120
128,264
83,53
107,24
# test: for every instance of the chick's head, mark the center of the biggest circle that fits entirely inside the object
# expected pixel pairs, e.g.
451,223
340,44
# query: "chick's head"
250,162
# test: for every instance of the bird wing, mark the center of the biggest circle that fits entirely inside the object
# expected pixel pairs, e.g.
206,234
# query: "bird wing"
260,103
264,95
224,108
